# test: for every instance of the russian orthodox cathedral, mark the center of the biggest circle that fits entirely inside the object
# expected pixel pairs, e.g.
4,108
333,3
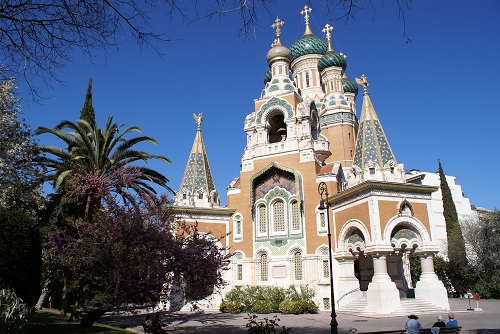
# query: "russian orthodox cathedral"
317,176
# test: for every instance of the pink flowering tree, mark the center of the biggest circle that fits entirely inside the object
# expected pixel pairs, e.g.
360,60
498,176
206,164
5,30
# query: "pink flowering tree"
132,254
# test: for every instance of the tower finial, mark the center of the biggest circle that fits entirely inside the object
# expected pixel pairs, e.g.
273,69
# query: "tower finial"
327,30
198,119
363,82
277,24
306,12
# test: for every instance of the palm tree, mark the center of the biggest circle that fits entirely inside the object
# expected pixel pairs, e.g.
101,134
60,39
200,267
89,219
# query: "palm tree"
100,160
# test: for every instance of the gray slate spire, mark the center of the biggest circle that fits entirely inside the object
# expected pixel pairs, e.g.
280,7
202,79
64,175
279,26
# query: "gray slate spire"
197,180
372,147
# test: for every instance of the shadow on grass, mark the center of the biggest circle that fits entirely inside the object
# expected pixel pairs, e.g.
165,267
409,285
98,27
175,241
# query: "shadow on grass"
50,322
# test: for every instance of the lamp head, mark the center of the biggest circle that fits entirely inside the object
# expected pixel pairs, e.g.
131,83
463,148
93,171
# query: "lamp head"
322,205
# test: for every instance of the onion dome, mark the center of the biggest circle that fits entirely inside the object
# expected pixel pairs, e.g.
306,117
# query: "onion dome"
278,52
308,44
267,77
331,59
349,86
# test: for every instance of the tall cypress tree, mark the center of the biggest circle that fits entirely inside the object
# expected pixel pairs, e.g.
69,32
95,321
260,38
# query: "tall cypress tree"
87,113
457,259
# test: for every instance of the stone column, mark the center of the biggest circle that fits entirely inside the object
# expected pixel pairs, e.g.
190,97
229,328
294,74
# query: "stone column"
347,284
429,287
382,294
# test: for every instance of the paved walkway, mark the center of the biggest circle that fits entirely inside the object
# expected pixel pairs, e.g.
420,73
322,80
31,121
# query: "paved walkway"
486,321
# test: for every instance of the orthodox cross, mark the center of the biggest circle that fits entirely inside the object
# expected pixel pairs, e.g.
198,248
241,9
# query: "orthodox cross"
327,30
306,12
277,24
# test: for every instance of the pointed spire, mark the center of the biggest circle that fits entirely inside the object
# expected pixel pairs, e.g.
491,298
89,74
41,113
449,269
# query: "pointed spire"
87,113
306,12
197,179
372,147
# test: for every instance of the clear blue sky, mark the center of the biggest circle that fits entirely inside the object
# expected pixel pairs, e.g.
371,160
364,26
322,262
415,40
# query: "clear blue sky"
437,97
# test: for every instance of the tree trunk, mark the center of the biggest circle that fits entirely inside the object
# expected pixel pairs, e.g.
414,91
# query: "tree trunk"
43,296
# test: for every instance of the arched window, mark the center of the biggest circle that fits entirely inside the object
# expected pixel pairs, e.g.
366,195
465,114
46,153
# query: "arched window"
237,227
277,127
295,213
297,259
262,217
278,216
264,272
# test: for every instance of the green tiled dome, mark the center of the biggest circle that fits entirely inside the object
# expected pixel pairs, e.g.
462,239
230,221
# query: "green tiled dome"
349,86
331,59
267,77
308,44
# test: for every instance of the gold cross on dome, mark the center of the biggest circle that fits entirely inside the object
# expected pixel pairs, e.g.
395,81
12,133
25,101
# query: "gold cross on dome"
327,30
306,12
277,24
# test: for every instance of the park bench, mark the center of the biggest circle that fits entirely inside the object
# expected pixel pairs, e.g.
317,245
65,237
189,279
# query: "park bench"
442,330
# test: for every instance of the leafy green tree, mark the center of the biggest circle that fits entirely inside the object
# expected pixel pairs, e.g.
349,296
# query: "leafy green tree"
95,159
483,242
458,265
20,177
20,200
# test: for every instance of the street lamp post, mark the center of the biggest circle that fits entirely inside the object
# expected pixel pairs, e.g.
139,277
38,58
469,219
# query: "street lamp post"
323,205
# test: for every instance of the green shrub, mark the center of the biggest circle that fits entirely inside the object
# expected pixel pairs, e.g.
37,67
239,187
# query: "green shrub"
286,307
262,307
13,313
308,306
304,293
233,307
277,299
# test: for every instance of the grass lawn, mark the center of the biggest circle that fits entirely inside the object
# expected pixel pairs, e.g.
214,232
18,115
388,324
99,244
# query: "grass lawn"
49,321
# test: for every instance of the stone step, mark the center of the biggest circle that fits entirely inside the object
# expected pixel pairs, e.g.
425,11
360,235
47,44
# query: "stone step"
408,306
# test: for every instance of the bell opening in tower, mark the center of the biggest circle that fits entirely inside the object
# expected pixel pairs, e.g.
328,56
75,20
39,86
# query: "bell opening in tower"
277,128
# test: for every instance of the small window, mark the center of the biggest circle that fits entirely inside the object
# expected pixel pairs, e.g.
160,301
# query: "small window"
298,265
184,196
372,170
238,226
262,219
295,216
200,196
326,269
264,272
307,79
326,303
392,170
240,272
350,151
